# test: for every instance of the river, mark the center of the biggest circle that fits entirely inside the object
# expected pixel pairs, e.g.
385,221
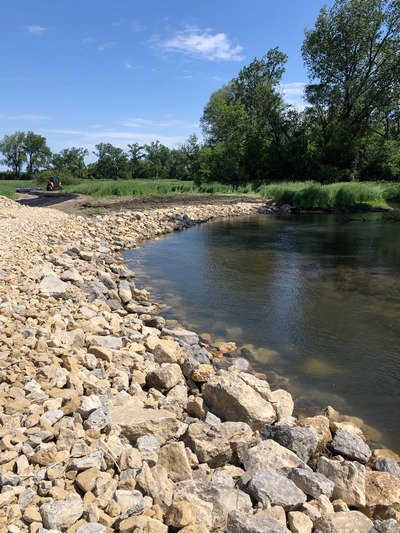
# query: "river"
316,297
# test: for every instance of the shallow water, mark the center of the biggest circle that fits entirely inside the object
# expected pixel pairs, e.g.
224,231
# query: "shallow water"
316,297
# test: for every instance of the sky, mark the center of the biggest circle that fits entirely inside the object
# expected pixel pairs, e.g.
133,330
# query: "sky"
82,72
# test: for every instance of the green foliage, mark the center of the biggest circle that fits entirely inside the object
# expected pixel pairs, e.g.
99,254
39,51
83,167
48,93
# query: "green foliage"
37,152
7,187
70,161
13,150
311,195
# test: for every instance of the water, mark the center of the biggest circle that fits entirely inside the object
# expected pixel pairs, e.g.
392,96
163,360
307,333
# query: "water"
315,297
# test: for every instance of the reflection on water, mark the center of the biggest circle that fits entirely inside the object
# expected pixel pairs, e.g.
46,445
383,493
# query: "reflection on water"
317,298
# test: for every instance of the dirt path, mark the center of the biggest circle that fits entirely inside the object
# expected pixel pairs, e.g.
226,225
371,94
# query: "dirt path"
74,203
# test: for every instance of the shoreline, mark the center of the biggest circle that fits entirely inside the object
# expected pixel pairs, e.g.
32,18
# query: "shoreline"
111,420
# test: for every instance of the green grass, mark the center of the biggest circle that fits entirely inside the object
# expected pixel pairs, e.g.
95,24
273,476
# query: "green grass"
309,195
301,195
7,187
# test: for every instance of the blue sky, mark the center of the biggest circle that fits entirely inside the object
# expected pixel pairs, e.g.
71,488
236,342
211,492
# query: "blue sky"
124,71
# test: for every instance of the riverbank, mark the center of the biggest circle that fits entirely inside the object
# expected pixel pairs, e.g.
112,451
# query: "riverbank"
113,419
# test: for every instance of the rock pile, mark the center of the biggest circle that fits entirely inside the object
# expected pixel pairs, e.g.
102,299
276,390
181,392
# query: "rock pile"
114,420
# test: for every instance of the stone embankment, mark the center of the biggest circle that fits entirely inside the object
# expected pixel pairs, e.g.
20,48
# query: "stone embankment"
114,420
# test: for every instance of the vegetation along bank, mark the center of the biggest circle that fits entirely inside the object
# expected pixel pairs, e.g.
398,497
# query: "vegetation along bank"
113,419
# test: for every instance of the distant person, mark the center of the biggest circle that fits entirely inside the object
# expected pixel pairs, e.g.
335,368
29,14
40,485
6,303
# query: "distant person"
54,184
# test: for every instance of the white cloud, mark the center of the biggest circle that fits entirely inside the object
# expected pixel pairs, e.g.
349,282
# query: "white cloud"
146,123
25,117
127,64
107,46
137,26
293,94
35,30
203,44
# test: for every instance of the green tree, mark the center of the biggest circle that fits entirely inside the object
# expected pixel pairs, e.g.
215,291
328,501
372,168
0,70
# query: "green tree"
157,161
37,152
71,161
136,153
112,163
185,160
12,147
249,115
353,60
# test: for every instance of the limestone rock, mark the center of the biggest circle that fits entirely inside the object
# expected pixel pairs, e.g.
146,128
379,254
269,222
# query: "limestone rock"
62,514
343,521
246,523
230,398
350,445
269,455
271,488
349,479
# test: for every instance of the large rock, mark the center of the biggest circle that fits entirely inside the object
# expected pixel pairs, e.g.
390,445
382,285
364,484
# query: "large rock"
303,441
312,483
231,398
350,445
52,286
349,480
270,456
208,444
223,499
271,488
135,422
351,521
174,459
247,523
165,377
382,488
61,514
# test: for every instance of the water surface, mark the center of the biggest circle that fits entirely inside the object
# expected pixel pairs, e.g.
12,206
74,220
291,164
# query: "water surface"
316,297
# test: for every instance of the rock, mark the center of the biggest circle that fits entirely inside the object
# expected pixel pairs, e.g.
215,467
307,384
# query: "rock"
387,464
91,528
166,377
142,523
180,514
245,523
343,521
230,398
208,444
271,488
181,334
350,445
136,422
303,441
312,483
349,479
269,455
61,515
223,499
168,351
52,286
299,522
382,488
174,459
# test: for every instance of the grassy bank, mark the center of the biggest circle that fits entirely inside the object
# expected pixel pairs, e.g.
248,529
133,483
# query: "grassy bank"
309,195
300,195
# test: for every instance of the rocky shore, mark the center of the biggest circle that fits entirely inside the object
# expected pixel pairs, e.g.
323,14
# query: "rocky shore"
113,419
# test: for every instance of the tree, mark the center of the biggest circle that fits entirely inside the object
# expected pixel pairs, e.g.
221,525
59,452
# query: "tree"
37,152
353,61
249,115
112,163
12,147
136,153
157,161
71,161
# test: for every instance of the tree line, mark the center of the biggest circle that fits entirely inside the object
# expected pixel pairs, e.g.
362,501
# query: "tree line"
349,129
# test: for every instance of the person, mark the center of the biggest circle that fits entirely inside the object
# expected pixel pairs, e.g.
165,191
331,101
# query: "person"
53,184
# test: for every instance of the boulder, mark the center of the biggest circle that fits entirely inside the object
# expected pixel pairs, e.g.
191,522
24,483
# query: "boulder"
343,521
271,456
271,488
246,523
231,398
348,477
350,445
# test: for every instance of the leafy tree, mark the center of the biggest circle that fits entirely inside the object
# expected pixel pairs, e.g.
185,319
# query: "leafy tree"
112,163
71,161
157,161
353,61
249,115
12,147
136,152
37,152
185,160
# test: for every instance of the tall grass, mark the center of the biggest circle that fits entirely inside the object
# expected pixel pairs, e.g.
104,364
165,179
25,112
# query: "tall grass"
7,188
309,195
